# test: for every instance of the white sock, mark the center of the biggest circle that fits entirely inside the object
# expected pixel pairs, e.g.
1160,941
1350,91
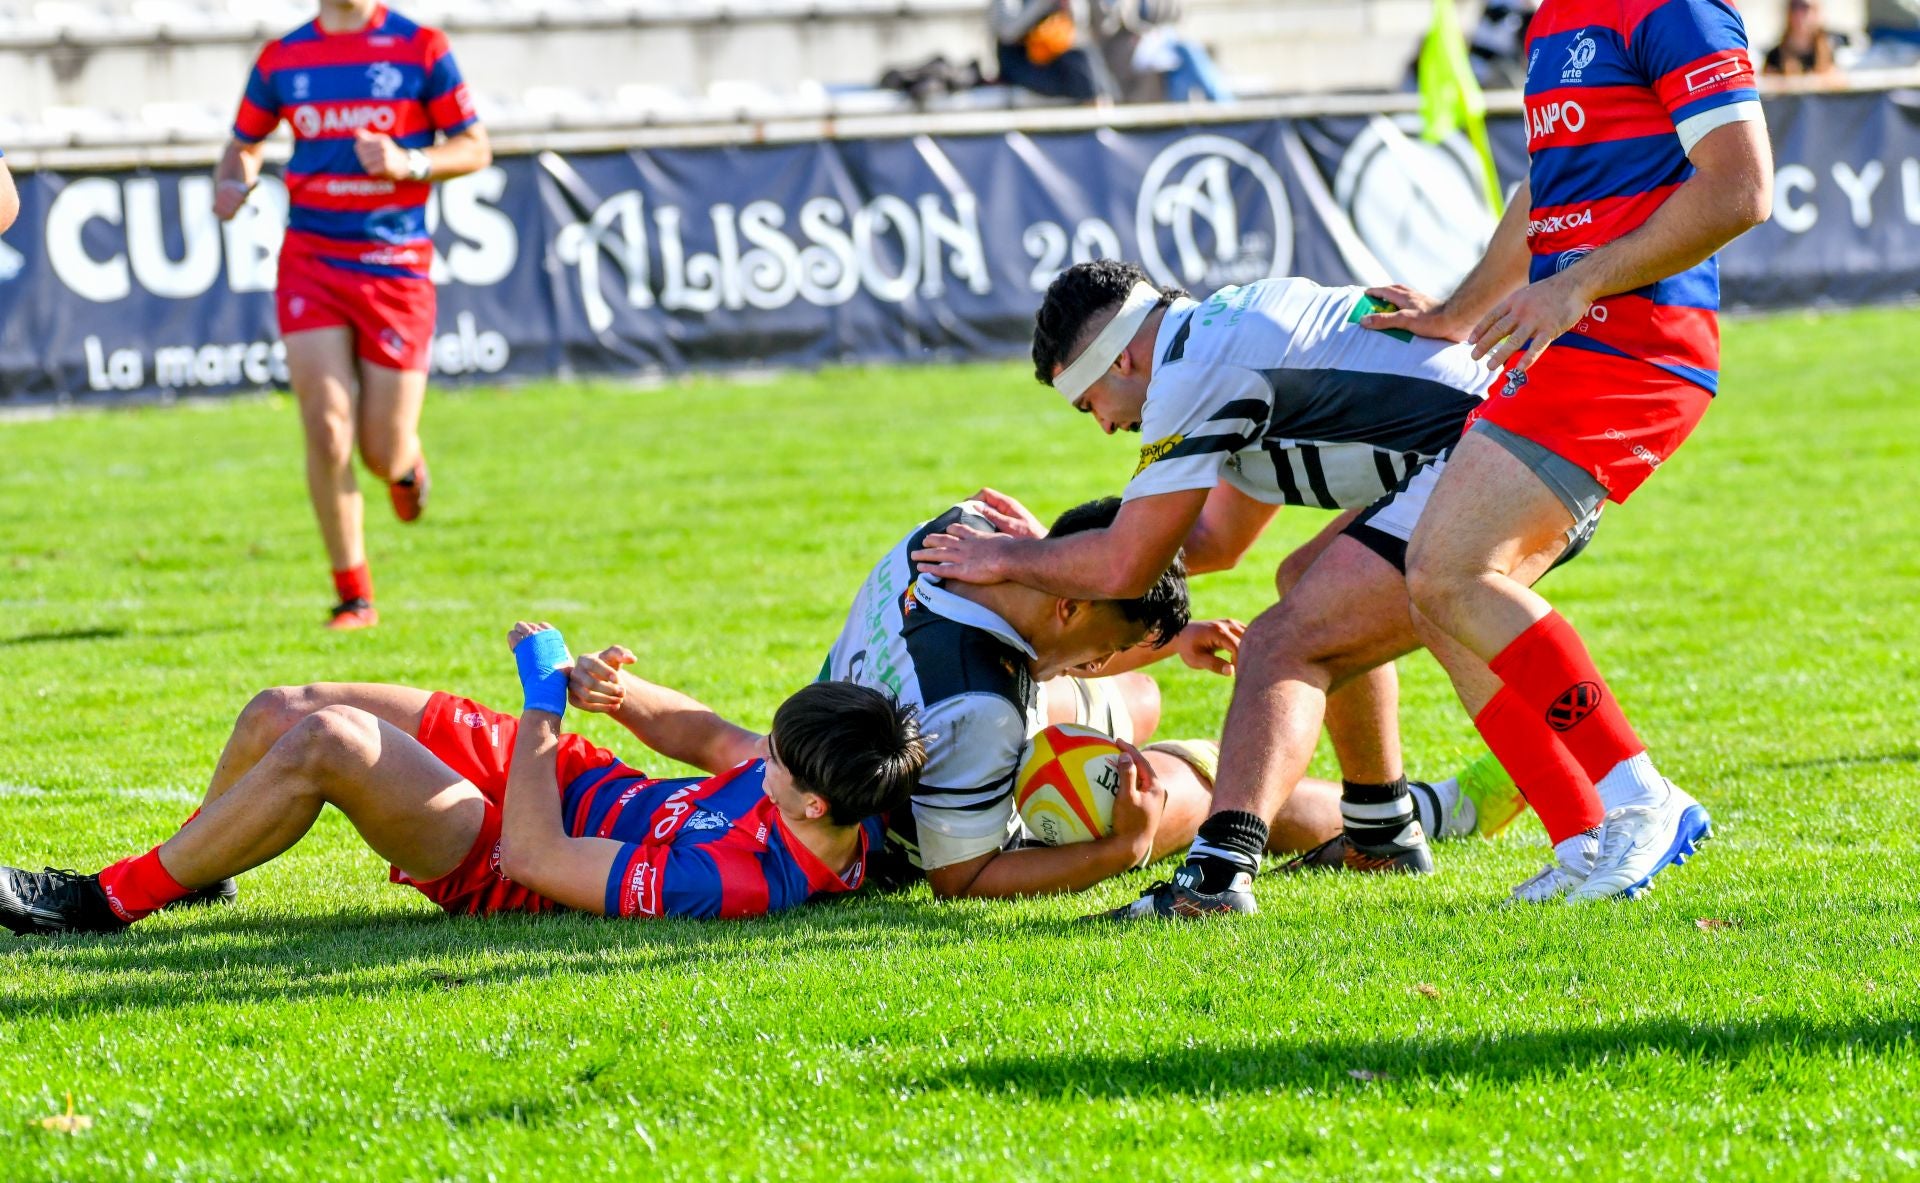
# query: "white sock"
1442,811
1633,781
1578,852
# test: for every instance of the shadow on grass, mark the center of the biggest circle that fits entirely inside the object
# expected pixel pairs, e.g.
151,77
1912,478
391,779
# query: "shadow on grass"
235,957
99,633
1225,1069
1858,760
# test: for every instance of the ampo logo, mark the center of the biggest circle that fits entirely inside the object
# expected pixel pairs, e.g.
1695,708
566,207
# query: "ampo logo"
1221,210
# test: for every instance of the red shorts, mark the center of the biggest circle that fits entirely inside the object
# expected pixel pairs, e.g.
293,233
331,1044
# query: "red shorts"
477,743
391,319
1615,417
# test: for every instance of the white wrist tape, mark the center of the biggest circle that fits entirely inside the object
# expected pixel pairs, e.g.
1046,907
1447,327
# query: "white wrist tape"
1098,356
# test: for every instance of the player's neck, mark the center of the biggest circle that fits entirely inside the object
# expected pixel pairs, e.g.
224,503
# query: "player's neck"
346,16
835,845
1022,607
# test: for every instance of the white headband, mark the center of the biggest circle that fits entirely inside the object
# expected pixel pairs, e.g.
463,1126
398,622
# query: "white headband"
1105,349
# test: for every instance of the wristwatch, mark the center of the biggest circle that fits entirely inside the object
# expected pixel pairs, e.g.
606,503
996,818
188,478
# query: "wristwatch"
418,166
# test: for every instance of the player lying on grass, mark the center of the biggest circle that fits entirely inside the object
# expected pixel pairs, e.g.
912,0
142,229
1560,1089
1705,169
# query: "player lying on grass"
483,813
1266,395
988,666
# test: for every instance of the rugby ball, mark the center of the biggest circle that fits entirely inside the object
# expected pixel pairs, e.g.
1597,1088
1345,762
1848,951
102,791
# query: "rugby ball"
1066,787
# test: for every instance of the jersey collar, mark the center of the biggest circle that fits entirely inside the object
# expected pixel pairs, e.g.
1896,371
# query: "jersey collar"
941,602
821,877
1173,326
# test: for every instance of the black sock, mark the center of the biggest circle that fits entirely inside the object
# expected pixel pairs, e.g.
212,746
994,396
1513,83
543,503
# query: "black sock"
1374,815
1227,844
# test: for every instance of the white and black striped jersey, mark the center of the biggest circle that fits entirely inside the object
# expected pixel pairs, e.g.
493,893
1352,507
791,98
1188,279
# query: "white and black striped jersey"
967,672
1276,389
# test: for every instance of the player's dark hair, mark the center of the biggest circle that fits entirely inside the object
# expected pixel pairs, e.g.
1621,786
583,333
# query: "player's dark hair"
1164,608
1073,299
853,745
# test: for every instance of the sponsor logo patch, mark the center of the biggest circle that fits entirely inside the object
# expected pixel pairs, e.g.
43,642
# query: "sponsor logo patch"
1156,451
1580,55
1559,222
1713,73
311,121
1576,703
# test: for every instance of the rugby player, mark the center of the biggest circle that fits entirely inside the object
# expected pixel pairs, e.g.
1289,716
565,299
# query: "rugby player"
483,813
1264,395
366,92
987,666
1595,304
9,197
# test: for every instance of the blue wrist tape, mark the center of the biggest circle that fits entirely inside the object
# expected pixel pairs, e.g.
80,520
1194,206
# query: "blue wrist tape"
542,659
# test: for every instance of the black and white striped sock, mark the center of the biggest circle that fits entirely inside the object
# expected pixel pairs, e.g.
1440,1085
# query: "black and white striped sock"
1375,815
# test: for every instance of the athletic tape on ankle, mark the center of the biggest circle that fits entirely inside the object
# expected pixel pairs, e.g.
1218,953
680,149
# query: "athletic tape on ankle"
542,660
1097,357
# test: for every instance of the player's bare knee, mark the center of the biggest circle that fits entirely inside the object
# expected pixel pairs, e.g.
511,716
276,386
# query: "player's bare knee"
1276,641
1292,569
271,713
330,437
333,738
1142,696
380,454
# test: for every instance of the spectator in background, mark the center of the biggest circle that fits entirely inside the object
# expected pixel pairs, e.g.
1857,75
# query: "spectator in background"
1807,47
9,199
1047,47
1152,63
1498,44
1893,35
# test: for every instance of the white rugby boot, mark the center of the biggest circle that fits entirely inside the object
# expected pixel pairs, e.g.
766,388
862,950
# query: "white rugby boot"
1637,842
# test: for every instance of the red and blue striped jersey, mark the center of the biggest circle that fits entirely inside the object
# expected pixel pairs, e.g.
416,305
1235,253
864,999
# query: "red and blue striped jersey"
1618,92
712,847
393,77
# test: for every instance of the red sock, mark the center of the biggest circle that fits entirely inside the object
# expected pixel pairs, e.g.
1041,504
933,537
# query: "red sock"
1549,669
355,583
139,887
1548,776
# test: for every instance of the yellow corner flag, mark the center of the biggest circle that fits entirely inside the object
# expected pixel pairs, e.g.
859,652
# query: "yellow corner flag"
1450,97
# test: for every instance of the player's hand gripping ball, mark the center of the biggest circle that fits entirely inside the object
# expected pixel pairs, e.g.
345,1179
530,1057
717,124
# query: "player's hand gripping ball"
1065,789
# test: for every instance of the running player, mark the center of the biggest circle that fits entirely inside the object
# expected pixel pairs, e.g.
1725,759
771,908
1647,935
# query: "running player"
1596,303
483,813
1264,395
9,198
987,666
366,91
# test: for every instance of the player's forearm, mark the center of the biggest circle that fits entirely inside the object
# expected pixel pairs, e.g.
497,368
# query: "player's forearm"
1502,270
1725,198
1092,565
9,198
239,164
530,823
468,152
681,727
1048,870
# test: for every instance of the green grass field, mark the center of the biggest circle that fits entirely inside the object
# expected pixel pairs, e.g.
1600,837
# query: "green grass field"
1755,608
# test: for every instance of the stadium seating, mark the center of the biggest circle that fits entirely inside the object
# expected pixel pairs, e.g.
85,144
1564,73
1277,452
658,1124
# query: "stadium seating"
107,72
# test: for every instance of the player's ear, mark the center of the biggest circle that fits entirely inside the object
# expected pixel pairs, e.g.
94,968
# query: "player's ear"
815,807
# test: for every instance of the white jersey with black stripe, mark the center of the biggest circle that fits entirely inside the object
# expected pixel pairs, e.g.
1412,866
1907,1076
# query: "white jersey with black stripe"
967,672
1276,389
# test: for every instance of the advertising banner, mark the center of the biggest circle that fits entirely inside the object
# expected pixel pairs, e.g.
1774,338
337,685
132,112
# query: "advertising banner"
115,284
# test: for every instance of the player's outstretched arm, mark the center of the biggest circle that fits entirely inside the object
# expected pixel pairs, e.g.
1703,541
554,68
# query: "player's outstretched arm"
1117,563
1047,870
676,725
535,849
1211,645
